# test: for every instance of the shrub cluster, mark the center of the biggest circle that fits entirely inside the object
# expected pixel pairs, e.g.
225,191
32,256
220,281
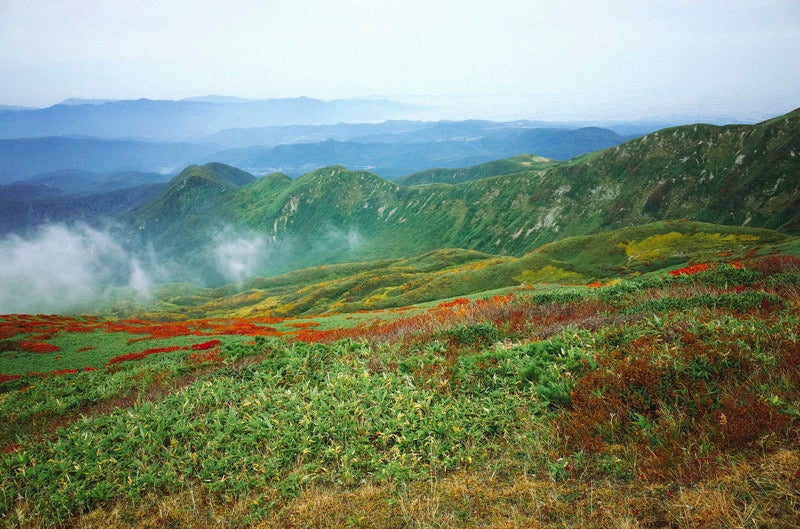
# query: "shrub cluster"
681,397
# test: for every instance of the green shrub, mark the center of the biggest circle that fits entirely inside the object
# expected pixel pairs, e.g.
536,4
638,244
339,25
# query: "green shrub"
552,367
477,335
726,276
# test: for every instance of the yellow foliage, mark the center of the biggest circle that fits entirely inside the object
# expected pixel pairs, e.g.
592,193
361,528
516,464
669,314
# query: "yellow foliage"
653,247
550,274
673,243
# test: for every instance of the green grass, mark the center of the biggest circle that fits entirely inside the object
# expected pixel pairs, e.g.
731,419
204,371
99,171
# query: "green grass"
641,392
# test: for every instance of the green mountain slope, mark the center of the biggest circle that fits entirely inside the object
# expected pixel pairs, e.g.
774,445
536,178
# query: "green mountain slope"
446,273
734,175
194,191
523,162
739,175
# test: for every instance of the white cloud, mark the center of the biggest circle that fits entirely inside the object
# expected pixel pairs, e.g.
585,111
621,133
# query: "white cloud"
239,257
65,269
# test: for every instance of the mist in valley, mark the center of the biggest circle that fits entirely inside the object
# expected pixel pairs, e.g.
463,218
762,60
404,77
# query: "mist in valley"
61,268
79,268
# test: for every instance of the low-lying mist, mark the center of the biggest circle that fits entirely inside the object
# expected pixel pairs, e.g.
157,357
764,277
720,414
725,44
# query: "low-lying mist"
239,256
80,268
68,268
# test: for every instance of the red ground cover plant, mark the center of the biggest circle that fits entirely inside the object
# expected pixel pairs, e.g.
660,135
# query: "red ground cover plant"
243,327
313,335
64,372
454,303
507,312
206,345
205,357
143,354
690,270
210,345
776,264
679,402
304,324
12,448
33,346
43,327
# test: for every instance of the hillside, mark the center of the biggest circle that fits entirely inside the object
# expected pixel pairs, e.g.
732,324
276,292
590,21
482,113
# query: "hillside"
447,273
517,164
26,207
536,343
667,400
734,175
197,189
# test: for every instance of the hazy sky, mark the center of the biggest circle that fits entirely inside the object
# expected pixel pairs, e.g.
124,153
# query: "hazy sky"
536,58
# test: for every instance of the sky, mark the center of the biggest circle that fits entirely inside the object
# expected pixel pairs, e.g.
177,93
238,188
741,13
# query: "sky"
536,59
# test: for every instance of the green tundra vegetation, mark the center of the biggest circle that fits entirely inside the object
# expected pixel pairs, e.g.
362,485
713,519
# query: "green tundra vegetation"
612,341
666,399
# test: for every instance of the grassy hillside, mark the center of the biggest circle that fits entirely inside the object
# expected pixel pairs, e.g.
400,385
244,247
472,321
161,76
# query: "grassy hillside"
446,273
670,400
557,346
523,162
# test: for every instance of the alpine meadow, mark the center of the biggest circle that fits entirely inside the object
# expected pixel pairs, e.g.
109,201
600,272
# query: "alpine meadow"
395,323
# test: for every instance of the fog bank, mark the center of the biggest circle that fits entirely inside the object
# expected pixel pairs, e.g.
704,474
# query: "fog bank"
66,269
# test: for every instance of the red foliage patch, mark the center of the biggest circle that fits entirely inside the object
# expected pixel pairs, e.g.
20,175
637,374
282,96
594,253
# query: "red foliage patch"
7,378
12,448
143,354
304,324
691,269
33,346
64,372
455,302
313,335
776,264
243,327
206,345
211,356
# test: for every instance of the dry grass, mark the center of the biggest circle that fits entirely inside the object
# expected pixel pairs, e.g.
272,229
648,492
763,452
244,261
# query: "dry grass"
761,492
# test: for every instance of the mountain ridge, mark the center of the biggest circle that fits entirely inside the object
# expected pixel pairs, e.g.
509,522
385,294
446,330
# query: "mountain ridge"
169,120
733,175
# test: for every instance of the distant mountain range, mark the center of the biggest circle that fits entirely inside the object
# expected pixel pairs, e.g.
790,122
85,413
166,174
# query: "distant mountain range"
459,185
737,175
391,148
188,119
441,144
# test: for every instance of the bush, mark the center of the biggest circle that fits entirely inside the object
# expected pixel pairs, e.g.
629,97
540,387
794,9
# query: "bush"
728,276
552,367
681,397
477,335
